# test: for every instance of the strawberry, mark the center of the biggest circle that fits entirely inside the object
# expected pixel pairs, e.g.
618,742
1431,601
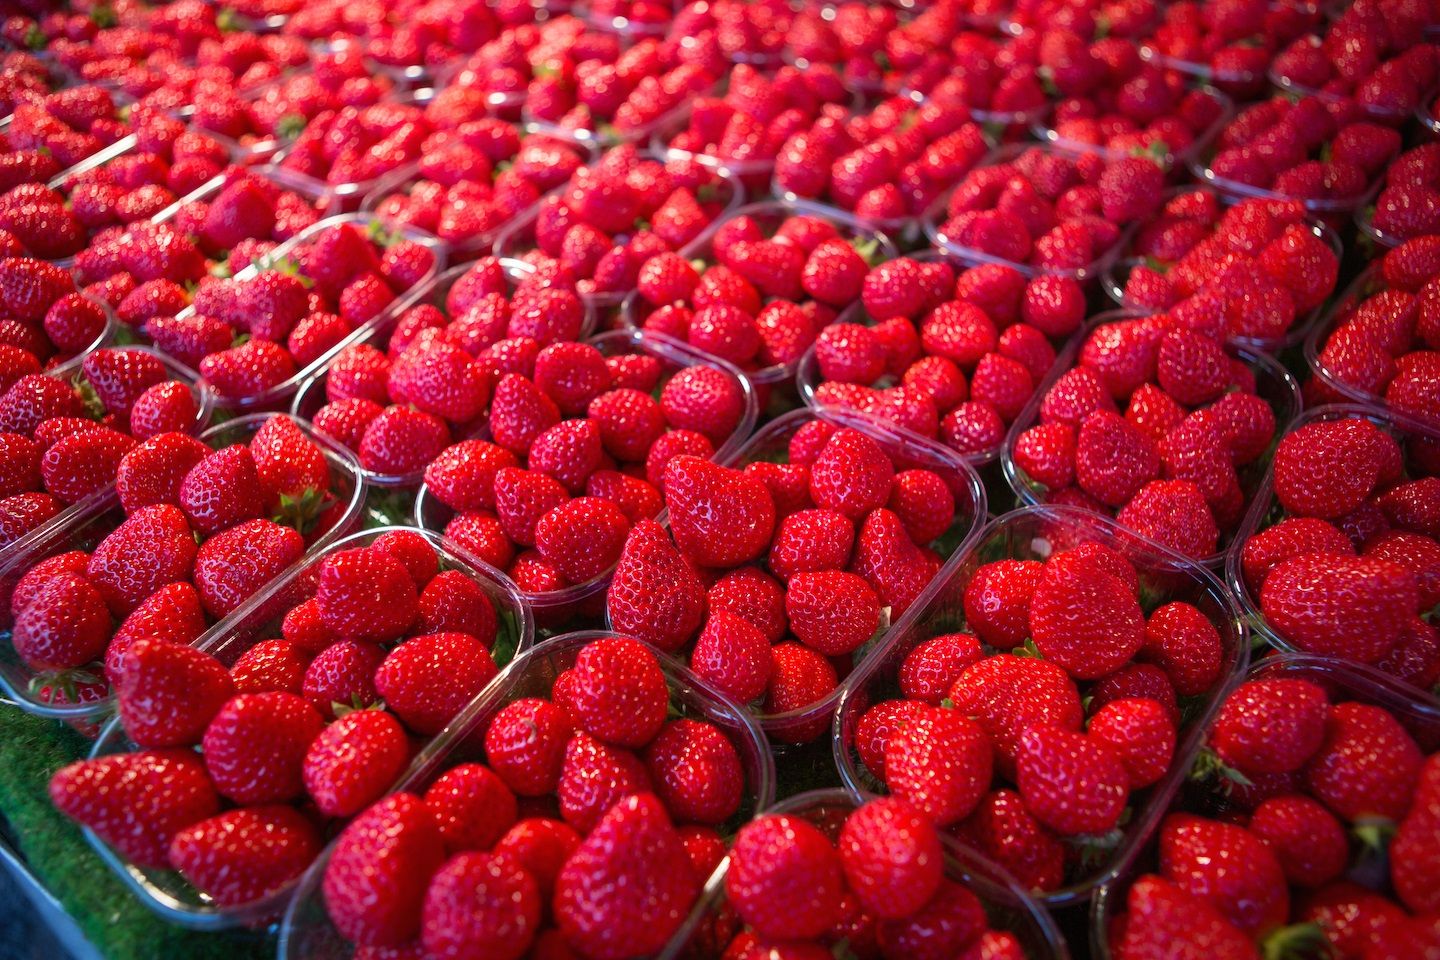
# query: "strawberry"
1113,459
463,475
891,857
1175,514
292,469
696,772
526,745
1071,782
222,490
583,537
168,693
1287,539
353,761
365,594
799,677
163,408
997,601
832,611
627,888
153,547
65,625
594,775
376,878
785,878
720,517
1005,831
1353,607
619,695
1165,920
472,805
1185,644
255,746
248,370
1065,612
1367,765
81,464
242,855
1141,733
233,565
1327,468
480,904
1227,865
1307,840
270,665
138,801
453,602
940,761
1270,726
852,475
733,655
522,498
951,919
172,614
428,679
343,674
654,594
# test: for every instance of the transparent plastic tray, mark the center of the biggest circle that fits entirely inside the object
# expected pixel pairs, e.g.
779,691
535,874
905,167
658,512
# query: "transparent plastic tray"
907,451
1343,682
103,514
1173,161
769,214
1036,533
1273,384
1265,511
308,934
556,608
165,891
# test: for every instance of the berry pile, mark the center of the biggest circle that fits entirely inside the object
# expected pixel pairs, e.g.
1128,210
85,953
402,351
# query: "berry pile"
383,651
196,533
1153,421
756,291
824,535
950,357
1346,563
1033,706
616,213
1047,211
1260,268
579,815
1228,44
48,323
1406,205
1148,110
1262,854
1380,342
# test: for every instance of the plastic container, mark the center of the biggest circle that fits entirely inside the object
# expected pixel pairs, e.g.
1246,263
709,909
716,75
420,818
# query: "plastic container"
556,608
769,215
101,515
907,451
311,396
404,179
307,933
1273,384
165,891
518,237
1296,90
1331,211
936,217
1365,219
606,135
204,404
1369,282
1344,682
1008,906
1117,275
1172,161
208,190
808,377
1035,533
279,396
1265,511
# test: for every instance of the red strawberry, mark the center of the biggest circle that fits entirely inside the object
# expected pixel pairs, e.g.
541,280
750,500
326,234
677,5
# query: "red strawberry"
1004,830
627,888
65,625
525,744
255,746
953,918
733,655
583,537
1141,733
365,594
941,762
1227,865
1367,765
428,679
1164,921
1070,782
696,772
785,878
1087,622
1173,513
270,665
480,904
720,517
354,761
1185,644
222,490
168,694
138,801
1307,840
997,601
1270,726
1327,468
1113,459
472,805
377,875
891,857
1352,607
852,475
831,611
619,694
152,548
242,855
233,565
655,595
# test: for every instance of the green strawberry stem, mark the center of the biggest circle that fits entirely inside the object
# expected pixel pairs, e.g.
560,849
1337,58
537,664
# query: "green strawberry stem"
1299,941
301,512
1208,765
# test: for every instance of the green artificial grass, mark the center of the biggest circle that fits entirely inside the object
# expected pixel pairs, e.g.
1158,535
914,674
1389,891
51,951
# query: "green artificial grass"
115,923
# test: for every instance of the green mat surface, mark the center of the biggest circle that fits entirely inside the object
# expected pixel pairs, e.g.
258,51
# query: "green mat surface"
115,923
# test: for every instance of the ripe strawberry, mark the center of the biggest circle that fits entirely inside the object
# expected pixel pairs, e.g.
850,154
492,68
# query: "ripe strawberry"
1167,921
627,888
136,802
1367,765
891,857
168,693
222,490
377,875
1005,831
1141,733
852,475
654,594
1175,514
152,548
172,614
1070,782
1352,607
163,408
473,807
1286,540
480,904
1088,623
1307,840
1185,644
255,746
233,565
940,761
733,655
785,878
365,594
831,611
953,918
292,469
269,665
799,677
1113,459
720,517
65,625
583,537
1326,469
997,601
81,464
353,761
1227,865
619,694
696,772
428,679
1270,726
248,370
240,856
